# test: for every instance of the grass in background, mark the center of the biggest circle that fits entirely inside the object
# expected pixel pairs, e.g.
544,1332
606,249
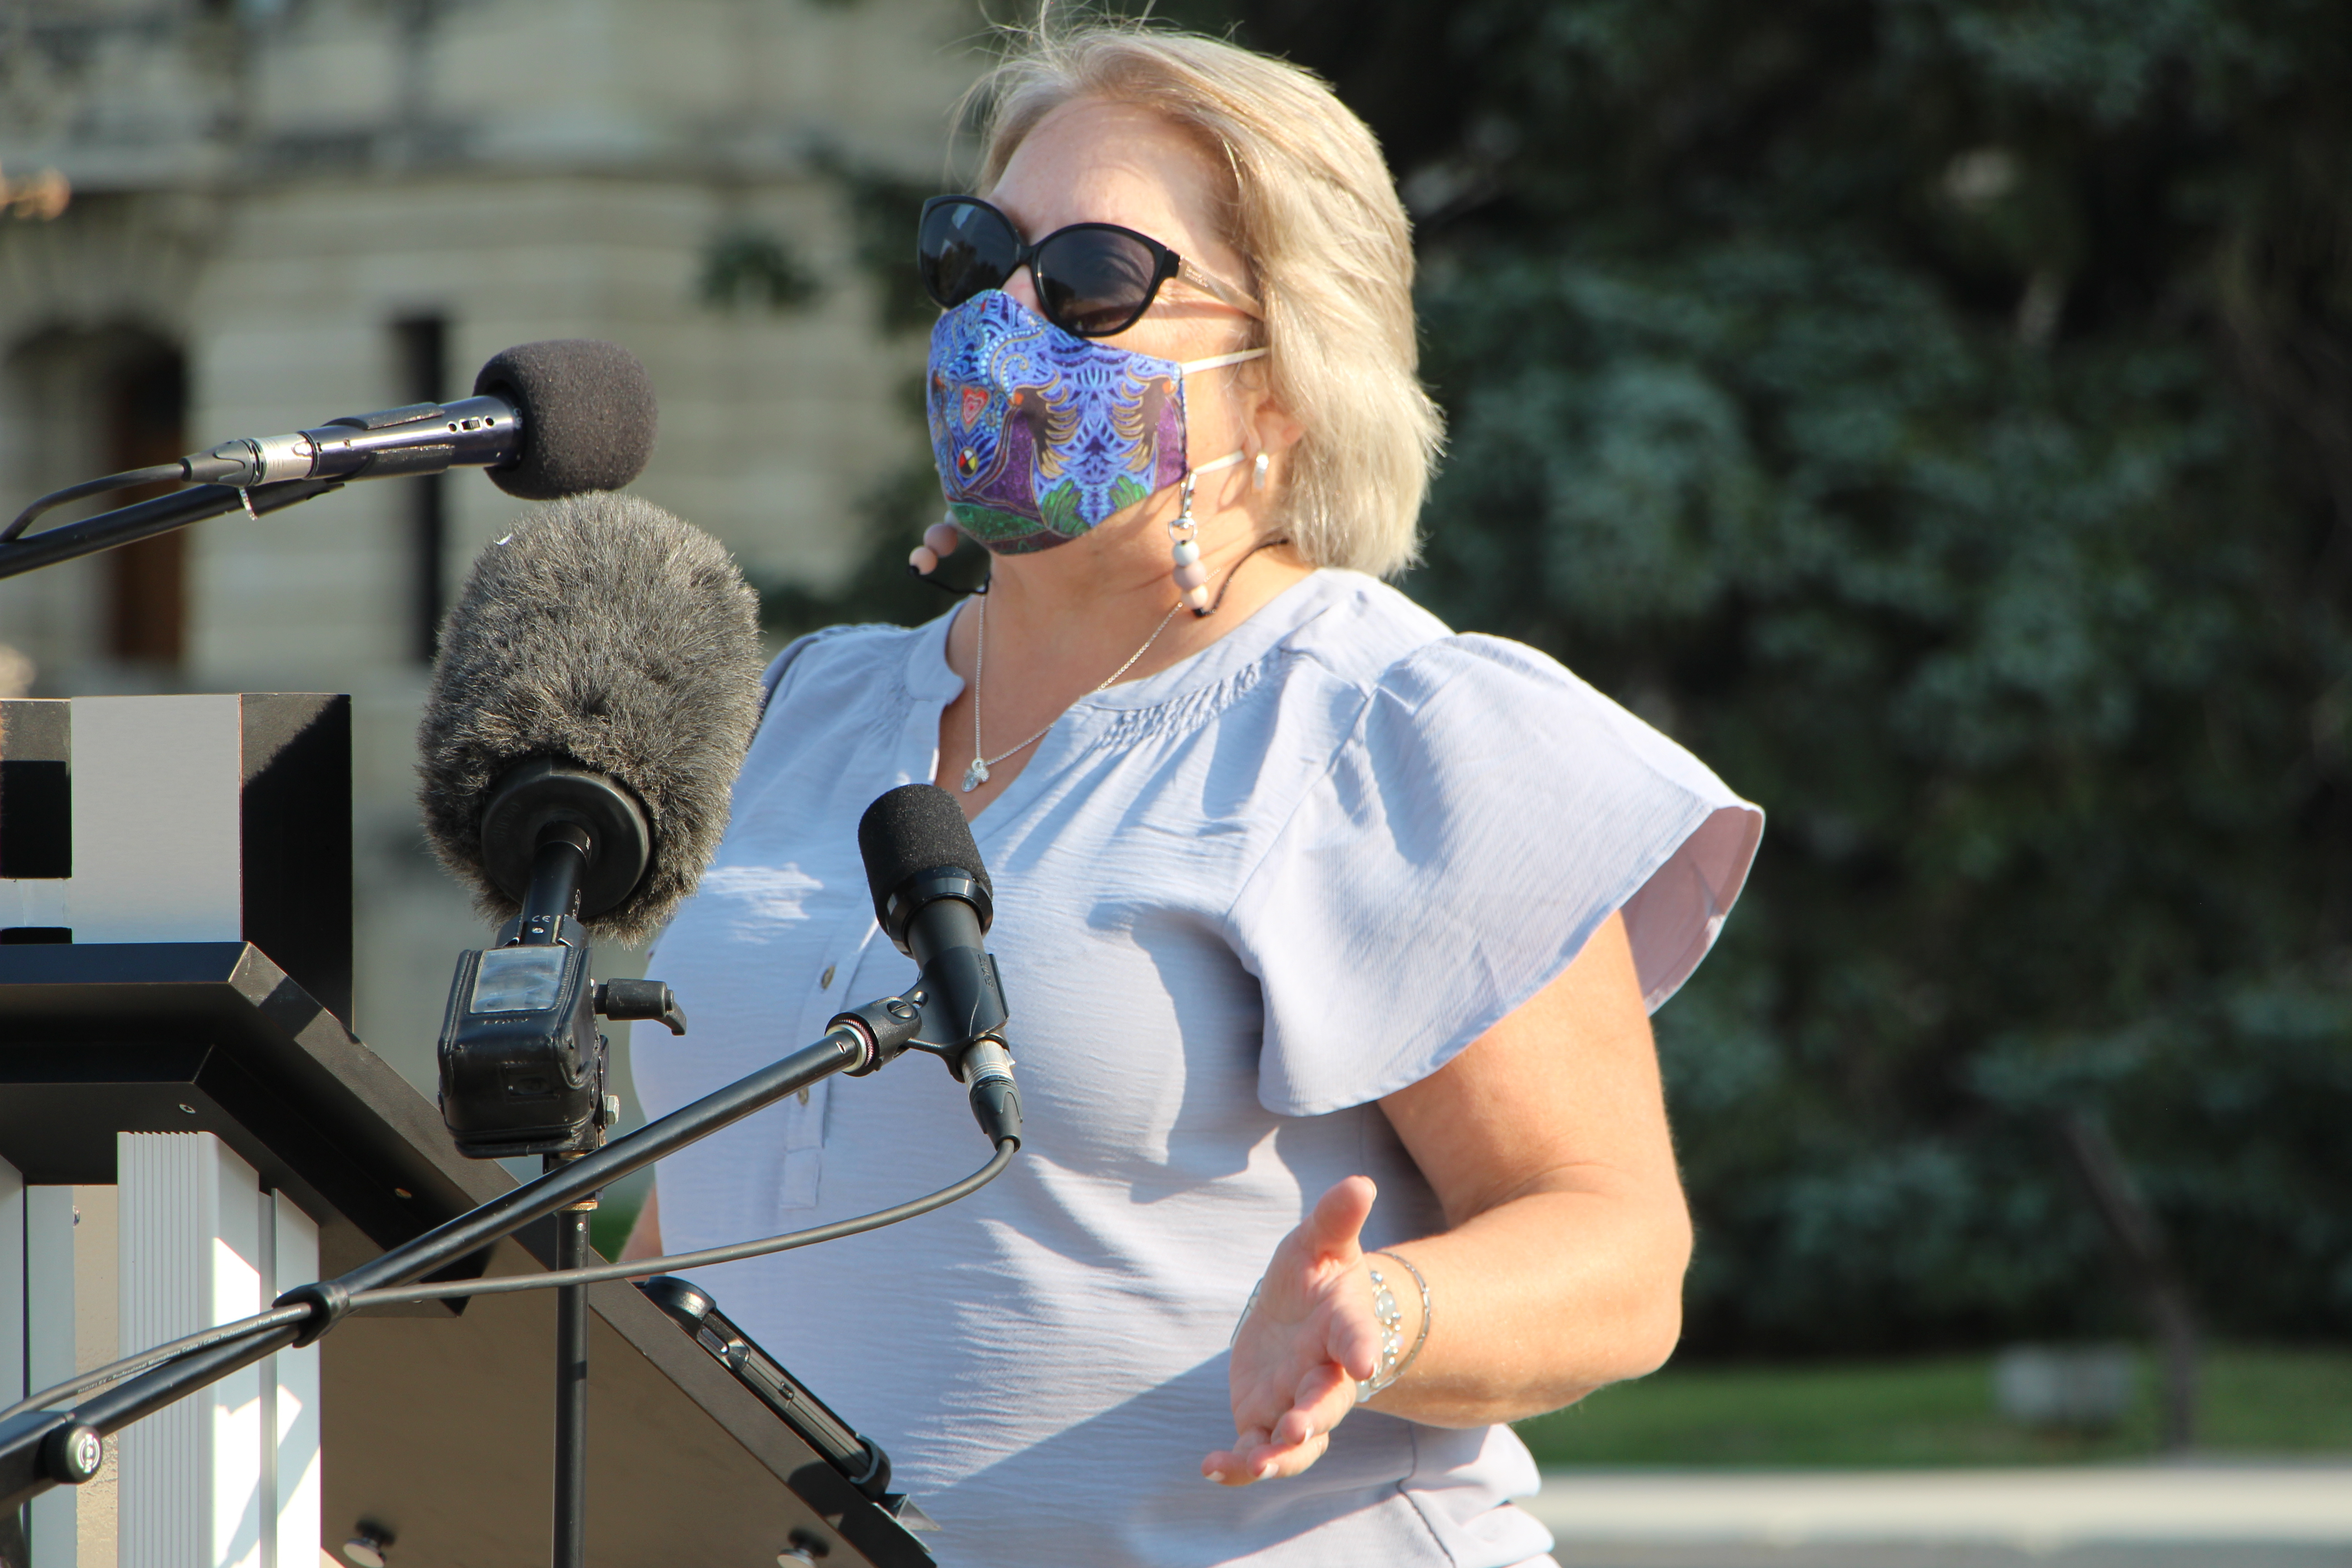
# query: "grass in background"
1931,1412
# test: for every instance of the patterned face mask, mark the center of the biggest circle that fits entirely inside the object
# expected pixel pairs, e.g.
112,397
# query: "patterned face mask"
1039,433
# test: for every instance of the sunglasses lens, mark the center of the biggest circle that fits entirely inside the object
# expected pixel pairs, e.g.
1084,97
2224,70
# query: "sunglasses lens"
1094,281
962,250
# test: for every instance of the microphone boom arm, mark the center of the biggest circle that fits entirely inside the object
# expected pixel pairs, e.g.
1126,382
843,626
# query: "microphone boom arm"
143,520
279,470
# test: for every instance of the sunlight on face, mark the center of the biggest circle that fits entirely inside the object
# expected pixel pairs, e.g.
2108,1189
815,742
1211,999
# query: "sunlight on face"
1091,162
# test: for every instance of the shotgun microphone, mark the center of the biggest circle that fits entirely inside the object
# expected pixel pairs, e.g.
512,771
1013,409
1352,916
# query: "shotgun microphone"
597,687
600,668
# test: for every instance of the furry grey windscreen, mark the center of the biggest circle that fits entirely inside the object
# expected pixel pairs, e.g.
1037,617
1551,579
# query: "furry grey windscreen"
916,828
606,632
588,416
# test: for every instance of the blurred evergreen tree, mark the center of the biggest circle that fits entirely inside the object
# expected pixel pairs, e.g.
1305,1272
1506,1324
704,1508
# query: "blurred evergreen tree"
1939,415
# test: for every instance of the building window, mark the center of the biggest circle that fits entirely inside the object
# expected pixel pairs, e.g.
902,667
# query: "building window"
143,405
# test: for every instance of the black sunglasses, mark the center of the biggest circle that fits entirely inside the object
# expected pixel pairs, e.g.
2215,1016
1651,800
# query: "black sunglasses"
1094,279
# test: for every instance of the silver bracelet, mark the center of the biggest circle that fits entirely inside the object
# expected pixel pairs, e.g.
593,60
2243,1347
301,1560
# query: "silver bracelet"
1392,1322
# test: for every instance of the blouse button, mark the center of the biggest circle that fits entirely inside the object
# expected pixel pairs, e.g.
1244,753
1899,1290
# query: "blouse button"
825,981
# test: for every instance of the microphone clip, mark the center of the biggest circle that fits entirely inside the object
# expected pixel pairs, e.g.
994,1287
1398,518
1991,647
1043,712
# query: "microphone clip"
917,1020
889,1027
972,1047
950,1037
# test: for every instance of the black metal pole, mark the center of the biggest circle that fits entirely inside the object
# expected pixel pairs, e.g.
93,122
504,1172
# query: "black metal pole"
27,1468
147,518
571,1394
558,863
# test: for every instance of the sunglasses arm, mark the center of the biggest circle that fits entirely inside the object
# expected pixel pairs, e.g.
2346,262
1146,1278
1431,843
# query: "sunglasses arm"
1224,293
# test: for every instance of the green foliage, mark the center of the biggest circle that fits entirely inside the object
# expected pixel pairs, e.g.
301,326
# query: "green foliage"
892,517
1939,1412
883,211
1939,415
750,266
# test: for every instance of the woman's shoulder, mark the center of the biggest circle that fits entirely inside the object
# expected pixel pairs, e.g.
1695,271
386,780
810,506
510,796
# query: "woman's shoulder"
854,652
1352,628
1472,813
1410,672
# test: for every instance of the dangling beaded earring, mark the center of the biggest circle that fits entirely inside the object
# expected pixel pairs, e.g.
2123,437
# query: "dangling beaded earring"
1191,577
938,539
1257,473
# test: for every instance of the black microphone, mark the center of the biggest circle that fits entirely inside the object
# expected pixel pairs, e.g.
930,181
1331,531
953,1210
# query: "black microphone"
546,419
596,690
934,900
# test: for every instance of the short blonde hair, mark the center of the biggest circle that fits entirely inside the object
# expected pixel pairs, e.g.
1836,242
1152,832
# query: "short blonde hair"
1315,212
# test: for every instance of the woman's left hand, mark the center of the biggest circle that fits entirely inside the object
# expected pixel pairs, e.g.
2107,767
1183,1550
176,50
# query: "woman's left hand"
1304,1345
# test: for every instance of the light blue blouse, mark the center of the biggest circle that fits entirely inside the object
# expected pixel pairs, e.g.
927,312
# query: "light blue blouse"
1237,902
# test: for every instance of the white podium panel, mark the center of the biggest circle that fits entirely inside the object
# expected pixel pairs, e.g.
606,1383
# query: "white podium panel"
156,842
226,1477
290,1399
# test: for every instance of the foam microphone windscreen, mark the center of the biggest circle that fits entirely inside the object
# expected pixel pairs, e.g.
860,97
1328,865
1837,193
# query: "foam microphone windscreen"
588,416
915,828
605,633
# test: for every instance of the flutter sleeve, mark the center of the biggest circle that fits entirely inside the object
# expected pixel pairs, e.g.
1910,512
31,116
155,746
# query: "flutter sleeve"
1486,813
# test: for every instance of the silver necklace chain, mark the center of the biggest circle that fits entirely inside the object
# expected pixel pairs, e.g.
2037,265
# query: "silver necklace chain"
977,774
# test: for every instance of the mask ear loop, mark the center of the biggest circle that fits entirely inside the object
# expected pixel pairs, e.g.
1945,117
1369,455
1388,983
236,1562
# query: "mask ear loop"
1219,362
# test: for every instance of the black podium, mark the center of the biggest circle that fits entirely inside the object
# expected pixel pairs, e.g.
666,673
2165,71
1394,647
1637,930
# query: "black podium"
434,1420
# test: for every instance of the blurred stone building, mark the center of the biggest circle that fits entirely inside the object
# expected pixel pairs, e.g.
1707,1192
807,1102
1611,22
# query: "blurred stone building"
287,210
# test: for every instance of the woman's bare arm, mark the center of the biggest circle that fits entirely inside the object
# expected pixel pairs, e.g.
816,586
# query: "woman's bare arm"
1561,1268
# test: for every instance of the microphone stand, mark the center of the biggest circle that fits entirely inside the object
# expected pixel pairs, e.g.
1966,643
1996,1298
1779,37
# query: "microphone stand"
559,864
570,1534
146,519
42,1449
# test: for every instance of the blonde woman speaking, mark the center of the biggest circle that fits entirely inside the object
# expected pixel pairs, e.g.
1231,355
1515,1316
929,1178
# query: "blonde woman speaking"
1330,935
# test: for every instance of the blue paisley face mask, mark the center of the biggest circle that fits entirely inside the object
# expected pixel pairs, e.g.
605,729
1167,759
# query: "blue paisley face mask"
1039,433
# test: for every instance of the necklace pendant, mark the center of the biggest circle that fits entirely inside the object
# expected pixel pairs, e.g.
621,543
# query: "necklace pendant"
975,775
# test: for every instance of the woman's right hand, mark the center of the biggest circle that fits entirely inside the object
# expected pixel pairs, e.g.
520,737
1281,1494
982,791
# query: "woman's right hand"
1302,1345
